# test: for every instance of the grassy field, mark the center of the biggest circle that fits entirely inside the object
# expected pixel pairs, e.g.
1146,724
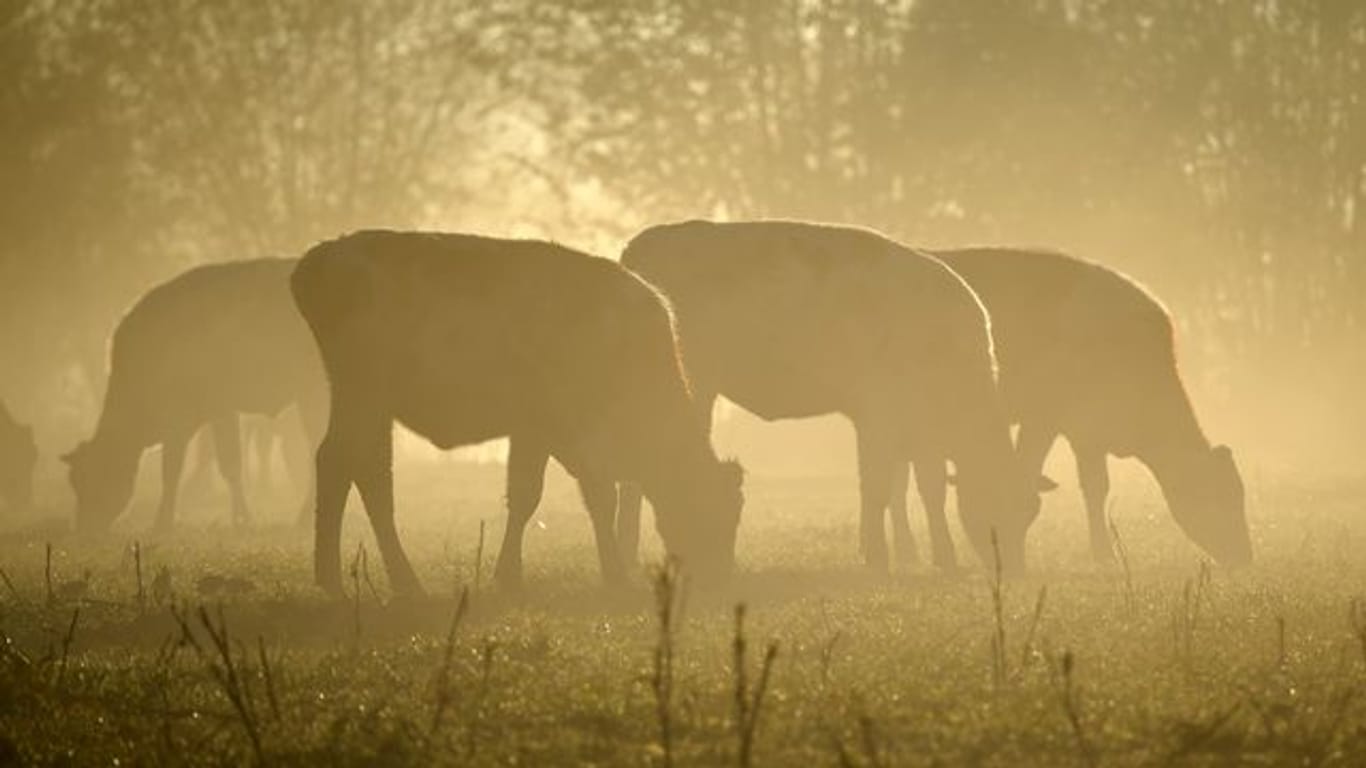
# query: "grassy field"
1168,661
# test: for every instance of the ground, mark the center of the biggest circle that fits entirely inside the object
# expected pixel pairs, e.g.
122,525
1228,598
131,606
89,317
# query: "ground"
1169,660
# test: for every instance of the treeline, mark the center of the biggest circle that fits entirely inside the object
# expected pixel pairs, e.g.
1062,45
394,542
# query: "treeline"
1217,149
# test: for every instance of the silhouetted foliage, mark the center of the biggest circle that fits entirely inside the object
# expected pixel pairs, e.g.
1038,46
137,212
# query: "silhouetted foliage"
1214,149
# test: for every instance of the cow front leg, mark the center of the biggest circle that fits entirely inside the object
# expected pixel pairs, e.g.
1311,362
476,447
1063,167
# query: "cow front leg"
227,439
1032,447
313,418
1094,476
629,499
295,447
629,502
875,462
931,482
600,497
172,467
527,460
903,543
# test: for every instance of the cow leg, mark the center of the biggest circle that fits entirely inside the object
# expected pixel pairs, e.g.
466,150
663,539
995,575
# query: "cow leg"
172,466
875,462
333,477
228,442
372,463
600,497
525,482
261,436
903,544
931,481
1094,476
313,418
1032,447
629,495
202,447
294,451
628,522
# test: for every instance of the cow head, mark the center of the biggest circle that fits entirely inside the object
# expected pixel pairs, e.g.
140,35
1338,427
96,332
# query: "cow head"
997,502
698,524
18,457
103,482
1207,502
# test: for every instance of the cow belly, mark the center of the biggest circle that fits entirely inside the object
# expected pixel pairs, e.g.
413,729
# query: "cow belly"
776,400
775,375
447,431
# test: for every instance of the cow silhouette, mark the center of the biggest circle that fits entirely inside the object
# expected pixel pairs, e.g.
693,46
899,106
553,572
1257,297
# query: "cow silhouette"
792,319
1087,354
210,344
463,339
18,456
260,437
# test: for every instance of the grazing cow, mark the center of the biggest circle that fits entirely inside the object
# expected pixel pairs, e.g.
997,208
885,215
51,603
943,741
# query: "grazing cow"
791,320
464,339
1087,354
260,436
18,455
214,342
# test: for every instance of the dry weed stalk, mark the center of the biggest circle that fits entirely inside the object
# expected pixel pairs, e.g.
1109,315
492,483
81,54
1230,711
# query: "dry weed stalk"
444,695
998,640
225,671
746,707
662,677
1071,704
1130,598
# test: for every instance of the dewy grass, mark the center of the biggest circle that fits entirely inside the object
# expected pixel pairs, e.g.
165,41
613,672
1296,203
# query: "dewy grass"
570,673
225,671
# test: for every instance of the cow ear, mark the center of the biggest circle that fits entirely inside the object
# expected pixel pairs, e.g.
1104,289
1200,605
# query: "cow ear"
1046,484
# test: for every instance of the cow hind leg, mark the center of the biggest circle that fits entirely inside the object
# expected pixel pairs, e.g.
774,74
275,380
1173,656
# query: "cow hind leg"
525,483
875,461
372,466
333,478
1094,476
172,467
228,442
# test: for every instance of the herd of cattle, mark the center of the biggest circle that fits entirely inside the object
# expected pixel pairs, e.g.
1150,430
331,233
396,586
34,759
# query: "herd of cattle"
613,369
